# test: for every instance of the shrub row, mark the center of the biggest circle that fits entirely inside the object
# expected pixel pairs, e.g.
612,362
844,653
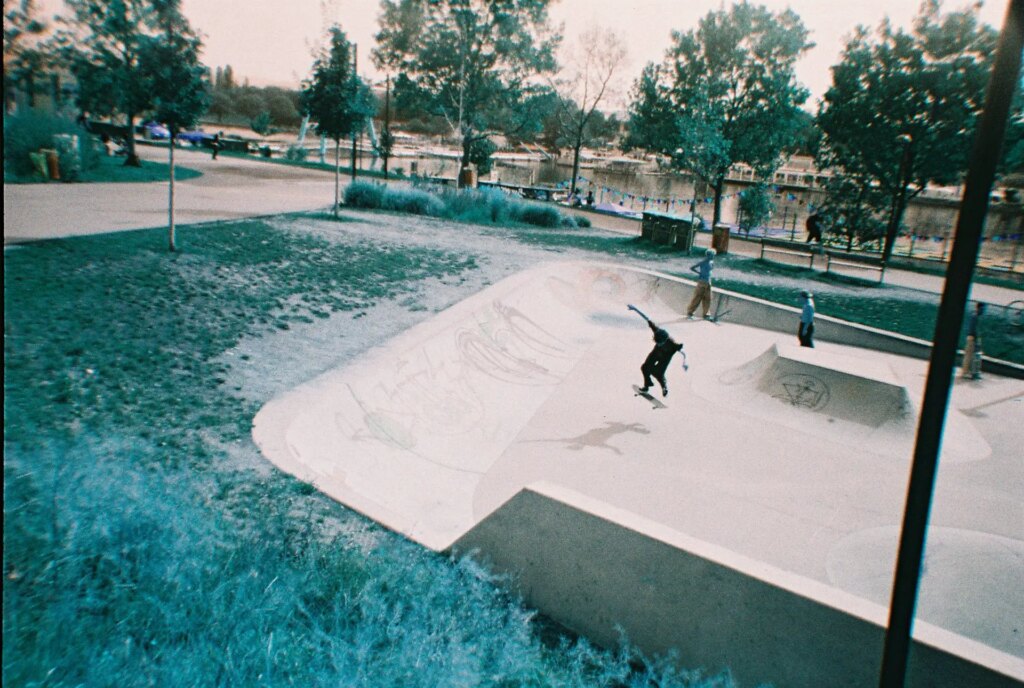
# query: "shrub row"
30,132
481,206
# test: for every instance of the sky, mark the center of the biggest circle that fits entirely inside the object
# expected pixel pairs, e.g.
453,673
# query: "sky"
272,42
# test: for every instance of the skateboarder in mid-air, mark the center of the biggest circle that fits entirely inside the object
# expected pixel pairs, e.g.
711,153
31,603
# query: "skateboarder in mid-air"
657,361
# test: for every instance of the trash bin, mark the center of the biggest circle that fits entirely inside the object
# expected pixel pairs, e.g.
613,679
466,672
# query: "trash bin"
720,238
467,177
52,162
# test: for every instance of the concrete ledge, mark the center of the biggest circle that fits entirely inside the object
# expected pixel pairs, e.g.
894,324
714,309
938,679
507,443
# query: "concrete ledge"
594,567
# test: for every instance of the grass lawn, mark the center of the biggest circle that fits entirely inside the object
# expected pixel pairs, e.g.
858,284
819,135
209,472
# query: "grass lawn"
113,169
147,543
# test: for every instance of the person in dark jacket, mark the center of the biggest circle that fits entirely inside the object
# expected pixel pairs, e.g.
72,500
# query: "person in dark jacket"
805,333
656,363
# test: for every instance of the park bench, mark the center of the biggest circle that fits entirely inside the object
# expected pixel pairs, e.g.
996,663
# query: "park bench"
859,261
789,248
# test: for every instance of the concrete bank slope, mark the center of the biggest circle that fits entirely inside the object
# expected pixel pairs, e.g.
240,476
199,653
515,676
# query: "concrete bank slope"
791,463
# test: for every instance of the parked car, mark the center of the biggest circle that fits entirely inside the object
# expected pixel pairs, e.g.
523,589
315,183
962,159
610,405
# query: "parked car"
196,138
154,130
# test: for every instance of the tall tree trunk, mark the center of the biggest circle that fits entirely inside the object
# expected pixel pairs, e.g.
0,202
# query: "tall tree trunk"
132,160
717,216
387,124
337,175
575,167
170,198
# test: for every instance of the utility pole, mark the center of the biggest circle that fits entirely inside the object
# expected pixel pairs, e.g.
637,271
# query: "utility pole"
386,137
355,90
988,141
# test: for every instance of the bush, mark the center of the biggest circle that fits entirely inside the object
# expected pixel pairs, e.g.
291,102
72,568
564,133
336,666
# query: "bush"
24,134
582,221
540,215
296,153
414,201
364,195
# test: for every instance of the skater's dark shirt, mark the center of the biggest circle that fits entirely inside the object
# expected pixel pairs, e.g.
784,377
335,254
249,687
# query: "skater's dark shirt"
663,350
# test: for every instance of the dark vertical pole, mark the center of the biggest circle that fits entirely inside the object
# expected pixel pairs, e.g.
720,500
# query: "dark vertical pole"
987,144
387,123
355,91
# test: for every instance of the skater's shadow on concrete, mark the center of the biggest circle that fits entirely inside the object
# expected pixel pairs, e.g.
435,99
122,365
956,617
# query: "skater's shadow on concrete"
598,438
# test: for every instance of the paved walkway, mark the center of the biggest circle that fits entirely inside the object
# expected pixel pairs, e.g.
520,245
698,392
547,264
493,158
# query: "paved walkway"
233,188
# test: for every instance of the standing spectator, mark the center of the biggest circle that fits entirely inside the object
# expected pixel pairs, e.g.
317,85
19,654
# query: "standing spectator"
805,333
215,145
971,367
702,292
590,197
814,228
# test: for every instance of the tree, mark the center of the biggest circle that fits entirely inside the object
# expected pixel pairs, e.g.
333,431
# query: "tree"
170,61
473,62
261,123
726,93
336,98
26,56
103,41
589,79
755,207
901,111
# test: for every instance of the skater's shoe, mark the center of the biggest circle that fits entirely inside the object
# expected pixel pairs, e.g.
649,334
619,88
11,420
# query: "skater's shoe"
689,316
707,317
664,390
645,390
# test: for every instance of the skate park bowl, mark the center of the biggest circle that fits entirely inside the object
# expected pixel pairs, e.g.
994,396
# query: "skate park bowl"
751,524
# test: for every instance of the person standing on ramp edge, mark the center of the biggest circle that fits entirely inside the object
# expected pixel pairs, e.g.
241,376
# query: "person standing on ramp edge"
806,331
702,292
657,361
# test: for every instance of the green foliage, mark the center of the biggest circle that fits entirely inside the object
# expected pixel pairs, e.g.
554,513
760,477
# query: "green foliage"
334,96
413,201
536,214
756,206
480,152
464,205
726,93
171,64
261,123
296,153
365,195
473,63
919,91
28,132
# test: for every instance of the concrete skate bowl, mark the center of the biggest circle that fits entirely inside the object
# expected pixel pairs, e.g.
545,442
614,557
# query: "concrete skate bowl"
839,398
443,433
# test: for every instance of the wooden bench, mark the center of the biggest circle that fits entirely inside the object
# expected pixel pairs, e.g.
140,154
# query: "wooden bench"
789,248
855,260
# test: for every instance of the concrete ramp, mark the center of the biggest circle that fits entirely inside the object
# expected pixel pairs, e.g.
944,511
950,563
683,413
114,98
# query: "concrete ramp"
834,396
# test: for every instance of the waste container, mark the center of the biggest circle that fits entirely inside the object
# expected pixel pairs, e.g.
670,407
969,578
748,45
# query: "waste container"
467,177
52,162
720,238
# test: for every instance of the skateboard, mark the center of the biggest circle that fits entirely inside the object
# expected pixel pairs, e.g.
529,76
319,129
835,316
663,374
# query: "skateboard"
655,403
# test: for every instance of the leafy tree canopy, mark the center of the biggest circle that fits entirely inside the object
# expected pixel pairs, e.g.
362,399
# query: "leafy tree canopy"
472,62
725,93
334,96
922,89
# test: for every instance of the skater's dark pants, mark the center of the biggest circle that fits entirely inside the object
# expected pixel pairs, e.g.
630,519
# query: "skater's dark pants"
806,335
654,367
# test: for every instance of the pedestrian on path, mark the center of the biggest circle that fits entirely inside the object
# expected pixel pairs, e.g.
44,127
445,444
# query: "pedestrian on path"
656,363
805,333
702,292
814,228
215,146
971,366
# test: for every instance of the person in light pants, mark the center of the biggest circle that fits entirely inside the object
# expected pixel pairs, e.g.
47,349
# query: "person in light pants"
702,292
